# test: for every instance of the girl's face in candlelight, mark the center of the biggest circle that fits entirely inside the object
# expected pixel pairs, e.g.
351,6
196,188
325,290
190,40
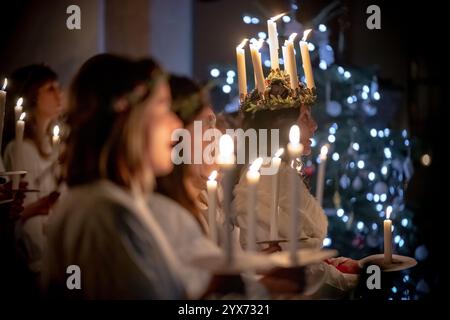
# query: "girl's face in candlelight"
307,126
161,123
48,103
199,173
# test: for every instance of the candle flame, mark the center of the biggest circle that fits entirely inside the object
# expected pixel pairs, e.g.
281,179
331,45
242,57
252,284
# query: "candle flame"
294,134
242,44
213,176
22,116
19,102
388,212
279,153
56,130
5,83
277,17
306,34
324,150
292,36
226,145
256,165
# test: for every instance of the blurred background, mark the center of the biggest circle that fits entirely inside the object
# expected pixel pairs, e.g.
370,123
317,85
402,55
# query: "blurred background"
380,96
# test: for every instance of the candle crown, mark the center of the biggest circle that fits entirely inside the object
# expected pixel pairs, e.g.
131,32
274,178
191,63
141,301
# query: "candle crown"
19,102
22,116
306,34
5,83
278,94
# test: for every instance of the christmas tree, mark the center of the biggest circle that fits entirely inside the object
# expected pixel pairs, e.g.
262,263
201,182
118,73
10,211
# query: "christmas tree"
369,162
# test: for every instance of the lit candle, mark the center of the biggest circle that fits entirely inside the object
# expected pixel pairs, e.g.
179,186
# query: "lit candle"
226,161
295,149
276,162
18,109
18,161
321,173
273,41
290,57
307,60
2,109
241,69
388,237
211,186
55,137
252,181
257,66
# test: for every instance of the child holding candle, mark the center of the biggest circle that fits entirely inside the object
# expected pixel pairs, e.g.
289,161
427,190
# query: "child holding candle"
326,281
38,86
119,138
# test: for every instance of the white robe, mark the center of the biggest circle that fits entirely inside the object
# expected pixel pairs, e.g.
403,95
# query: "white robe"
118,245
187,239
322,279
40,176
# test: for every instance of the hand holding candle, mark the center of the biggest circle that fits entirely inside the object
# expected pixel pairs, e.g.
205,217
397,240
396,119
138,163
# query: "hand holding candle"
388,237
276,162
211,186
307,60
295,149
241,69
321,173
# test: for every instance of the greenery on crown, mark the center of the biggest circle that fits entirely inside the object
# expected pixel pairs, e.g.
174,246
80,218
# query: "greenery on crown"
278,94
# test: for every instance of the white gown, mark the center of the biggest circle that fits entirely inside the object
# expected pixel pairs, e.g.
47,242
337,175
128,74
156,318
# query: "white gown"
324,280
40,176
120,248
187,239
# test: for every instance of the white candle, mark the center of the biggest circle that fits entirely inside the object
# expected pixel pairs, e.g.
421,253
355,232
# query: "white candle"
276,162
241,69
321,174
388,237
211,186
252,181
307,60
18,161
18,109
55,137
295,149
273,41
226,161
257,66
290,57
2,109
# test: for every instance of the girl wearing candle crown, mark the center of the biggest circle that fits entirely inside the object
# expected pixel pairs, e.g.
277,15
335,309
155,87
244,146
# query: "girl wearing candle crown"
290,108
181,205
38,86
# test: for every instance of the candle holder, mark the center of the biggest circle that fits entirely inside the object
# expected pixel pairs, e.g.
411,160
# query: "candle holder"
305,256
398,263
254,261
